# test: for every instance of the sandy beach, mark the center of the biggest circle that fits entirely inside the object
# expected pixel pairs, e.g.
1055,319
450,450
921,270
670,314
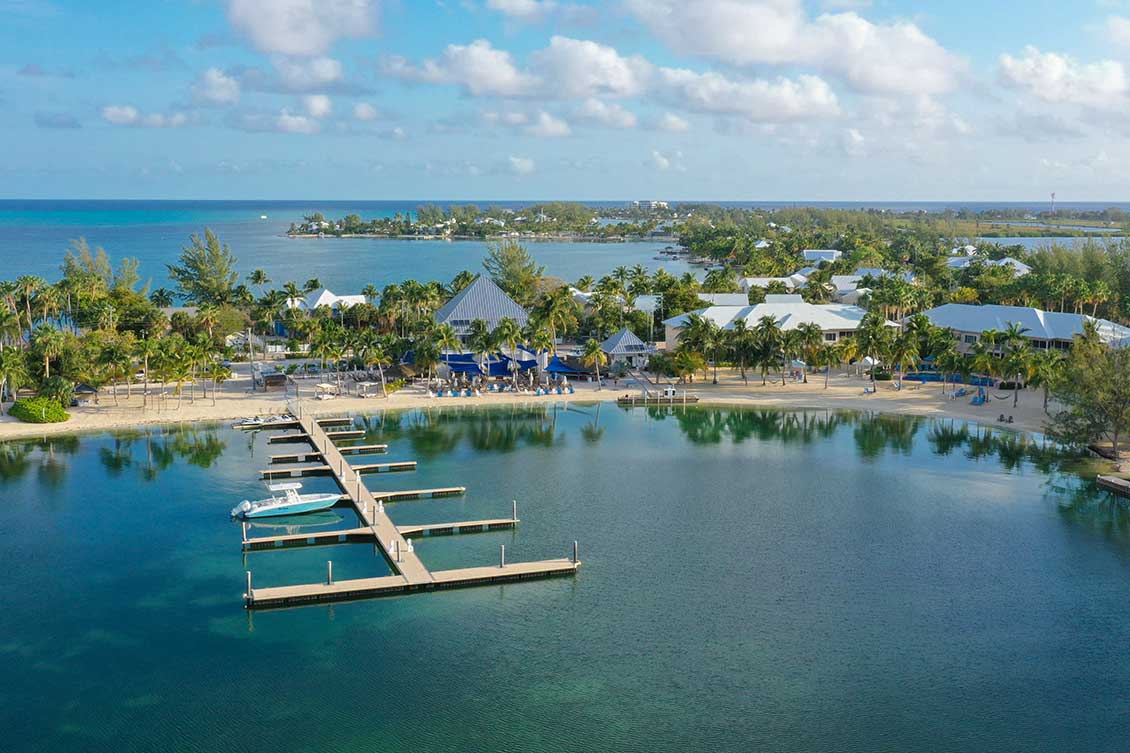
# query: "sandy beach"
235,400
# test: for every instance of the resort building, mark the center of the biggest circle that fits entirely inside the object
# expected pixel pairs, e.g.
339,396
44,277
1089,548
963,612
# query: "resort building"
649,304
817,255
1019,268
1044,329
482,299
624,347
324,297
836,320
791,283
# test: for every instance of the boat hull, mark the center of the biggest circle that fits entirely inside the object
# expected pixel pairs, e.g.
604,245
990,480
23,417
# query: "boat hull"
307,503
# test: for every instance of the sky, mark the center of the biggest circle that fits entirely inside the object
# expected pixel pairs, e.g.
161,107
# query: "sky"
774,100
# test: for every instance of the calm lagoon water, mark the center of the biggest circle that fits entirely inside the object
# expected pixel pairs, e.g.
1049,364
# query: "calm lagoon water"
753,580
34,236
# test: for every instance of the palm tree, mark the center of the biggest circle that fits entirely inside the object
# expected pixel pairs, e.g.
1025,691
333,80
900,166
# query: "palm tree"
162,298
219,374
376,356
704,336
481,342
1046,369
811,338
145,349
50,343
371,293
903,353
741,342
559,311
118,362
769,345
593,356
447,340
10,328
507,335
258,278
13,372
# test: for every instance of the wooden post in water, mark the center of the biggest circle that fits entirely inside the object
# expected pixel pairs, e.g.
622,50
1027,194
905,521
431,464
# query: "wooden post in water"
514,510
575,547
502,556
250,597
329,572
243,525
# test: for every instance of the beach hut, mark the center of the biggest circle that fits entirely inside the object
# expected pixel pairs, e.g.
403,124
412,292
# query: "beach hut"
325,391
625,348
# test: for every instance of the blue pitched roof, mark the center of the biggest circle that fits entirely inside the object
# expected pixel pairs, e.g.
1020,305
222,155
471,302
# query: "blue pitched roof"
482,299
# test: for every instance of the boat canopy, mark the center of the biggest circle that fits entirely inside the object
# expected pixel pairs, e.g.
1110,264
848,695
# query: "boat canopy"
285,487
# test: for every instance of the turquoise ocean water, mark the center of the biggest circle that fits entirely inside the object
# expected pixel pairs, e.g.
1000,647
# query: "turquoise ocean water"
34,236
752,580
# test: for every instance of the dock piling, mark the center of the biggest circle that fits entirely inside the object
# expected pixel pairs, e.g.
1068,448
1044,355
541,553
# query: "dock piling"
329,572
514,509
575,560
502,555
250,596
243,525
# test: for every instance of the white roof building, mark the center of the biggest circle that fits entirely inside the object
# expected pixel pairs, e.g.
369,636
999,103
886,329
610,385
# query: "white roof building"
817,255
324,297
1046,329
835,319
649,304
792,282
1019,268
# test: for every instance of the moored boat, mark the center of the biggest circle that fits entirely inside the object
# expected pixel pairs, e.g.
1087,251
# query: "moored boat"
290,503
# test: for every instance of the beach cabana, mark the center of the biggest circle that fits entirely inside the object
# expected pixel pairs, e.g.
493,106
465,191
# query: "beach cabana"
325,391
624,347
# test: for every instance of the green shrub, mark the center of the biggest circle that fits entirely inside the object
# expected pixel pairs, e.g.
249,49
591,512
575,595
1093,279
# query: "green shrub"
882,375
394,385
39,410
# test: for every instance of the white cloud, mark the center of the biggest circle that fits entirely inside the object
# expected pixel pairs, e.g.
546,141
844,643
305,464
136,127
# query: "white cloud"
120,114
664,162
523,10
1059,79
505,117
216,87
364,111
288,123
521,165
477,67
301,27
317,105
575,68
306,75
128,115
606,113
1118,30
893,58
548,126
854,143
669,121
758,100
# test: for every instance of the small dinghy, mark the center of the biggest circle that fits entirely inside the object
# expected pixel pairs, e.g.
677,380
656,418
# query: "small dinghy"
290,503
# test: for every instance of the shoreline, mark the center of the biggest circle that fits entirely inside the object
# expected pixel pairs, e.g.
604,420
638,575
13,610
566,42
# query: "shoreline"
234,401
538,238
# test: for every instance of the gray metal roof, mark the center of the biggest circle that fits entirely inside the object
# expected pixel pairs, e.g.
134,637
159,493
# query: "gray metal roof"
482,299
625,343
1041,325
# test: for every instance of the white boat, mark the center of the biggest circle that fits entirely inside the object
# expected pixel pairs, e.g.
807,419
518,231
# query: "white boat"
290,503
262,216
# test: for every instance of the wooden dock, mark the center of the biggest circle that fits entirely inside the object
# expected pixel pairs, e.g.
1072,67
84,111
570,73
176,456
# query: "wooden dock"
354,535
323,470
1115,485
409,572
392,585
313,455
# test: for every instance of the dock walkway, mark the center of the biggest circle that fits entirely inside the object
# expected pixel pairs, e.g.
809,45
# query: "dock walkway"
409,572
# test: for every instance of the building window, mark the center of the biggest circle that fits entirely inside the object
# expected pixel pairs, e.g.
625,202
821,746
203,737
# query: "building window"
829,337
970,339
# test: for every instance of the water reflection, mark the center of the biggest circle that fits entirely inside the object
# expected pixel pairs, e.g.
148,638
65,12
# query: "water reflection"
149,451
433,433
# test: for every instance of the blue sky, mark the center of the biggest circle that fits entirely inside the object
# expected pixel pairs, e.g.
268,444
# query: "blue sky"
673,99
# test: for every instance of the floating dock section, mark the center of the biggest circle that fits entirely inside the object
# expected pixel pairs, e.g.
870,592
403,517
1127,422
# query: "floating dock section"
409,572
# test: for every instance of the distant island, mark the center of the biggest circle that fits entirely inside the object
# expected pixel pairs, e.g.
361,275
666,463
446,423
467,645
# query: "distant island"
662,221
